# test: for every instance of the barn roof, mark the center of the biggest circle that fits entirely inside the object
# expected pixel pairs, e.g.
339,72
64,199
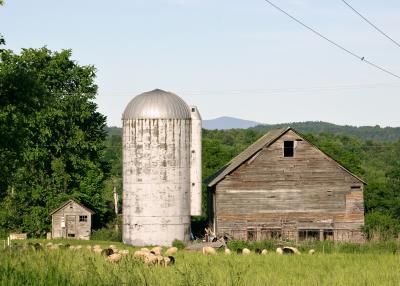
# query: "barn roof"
71,201
265,141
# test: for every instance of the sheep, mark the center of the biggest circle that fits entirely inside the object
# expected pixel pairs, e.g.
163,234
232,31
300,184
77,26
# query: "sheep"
97,250
96,246
264,252
227,251
48,245
311,252
279,251
171,251
170,260
89,247
145,249
291,250
107,252
246,251
114,258
141,254
150,259
207,250
124,252
53,247
157,250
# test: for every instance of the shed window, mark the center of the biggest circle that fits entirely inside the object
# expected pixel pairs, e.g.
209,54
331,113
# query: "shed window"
270,233
288,149
82,218
252,234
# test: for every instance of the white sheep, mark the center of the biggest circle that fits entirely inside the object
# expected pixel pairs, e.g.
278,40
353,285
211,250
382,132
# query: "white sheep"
157,250
291,250
114,258
124,252
246,251
279,251
311,252
171,251
208,250
264,252
227,251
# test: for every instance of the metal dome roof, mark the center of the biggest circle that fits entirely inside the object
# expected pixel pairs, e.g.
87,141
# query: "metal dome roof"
157,104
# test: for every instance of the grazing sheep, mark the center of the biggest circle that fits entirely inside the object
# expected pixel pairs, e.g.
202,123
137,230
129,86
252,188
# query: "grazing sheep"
145,249
227,251
124,252
141,254
257,251
96,246
53,247
170,260
150,259
157,250
264,252
107,252
208,250
239,251
171,251
114,258
311,252
291,250
112,246
38,246
89,247
279,251
246,251
49,244
97,250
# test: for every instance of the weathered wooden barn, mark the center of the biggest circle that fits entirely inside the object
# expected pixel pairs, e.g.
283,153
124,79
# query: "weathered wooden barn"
284,187
71,220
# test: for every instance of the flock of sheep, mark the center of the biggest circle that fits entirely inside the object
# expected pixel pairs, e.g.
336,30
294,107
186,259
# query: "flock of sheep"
207,250
153,256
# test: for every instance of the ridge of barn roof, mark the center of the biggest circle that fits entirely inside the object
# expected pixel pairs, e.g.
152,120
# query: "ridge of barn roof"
265,141
71,201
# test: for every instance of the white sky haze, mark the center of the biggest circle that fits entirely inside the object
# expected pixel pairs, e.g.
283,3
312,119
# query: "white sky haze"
235,58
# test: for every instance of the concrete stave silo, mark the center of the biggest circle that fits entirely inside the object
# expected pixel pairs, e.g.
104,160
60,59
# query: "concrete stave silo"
157,133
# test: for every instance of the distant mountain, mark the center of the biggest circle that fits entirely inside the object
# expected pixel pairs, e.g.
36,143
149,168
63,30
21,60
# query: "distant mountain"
226,122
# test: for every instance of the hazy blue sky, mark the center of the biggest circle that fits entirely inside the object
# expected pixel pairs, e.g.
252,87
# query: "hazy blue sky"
234,58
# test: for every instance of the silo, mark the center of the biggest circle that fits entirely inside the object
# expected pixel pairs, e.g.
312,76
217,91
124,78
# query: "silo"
156,169
195,163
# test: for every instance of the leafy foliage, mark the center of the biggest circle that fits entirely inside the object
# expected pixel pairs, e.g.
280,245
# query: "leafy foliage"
52,146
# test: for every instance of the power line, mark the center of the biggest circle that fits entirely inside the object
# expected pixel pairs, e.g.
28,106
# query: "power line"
332,42
369,22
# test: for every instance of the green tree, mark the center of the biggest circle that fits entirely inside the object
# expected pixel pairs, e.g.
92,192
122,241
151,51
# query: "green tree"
53,147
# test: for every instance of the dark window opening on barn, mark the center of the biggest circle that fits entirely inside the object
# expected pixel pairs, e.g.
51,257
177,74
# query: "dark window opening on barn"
288,149
252,234
82,218
308,234
328,234
71,234
193,109
355,188
270,234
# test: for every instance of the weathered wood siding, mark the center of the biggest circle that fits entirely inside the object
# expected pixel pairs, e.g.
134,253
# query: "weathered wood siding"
73,227
309,191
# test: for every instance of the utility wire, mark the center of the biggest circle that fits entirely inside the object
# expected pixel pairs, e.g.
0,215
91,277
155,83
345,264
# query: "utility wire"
369,22
332,42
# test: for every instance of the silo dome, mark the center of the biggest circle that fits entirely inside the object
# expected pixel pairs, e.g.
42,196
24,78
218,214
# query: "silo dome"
157,104
157,168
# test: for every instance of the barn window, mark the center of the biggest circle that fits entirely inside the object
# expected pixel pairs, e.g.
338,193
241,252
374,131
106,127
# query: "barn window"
252,234
308,234
71,234
71,206
193,109
271,233
288,149
328,234
82,218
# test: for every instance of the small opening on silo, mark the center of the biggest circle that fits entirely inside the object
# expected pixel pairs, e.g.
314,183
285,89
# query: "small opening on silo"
193,184
193,109
193,151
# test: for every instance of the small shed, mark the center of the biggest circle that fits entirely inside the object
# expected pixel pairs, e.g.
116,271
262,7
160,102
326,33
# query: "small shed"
71,220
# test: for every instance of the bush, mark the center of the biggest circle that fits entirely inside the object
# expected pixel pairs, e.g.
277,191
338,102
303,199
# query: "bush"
107,234
178,244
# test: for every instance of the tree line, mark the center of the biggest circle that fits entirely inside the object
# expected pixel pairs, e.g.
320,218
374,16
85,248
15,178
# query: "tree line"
55,146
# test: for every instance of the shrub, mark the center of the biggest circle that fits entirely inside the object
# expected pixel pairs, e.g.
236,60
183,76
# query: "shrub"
178,244
107,234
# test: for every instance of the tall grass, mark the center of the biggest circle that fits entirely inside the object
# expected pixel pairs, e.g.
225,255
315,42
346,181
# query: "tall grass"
65,267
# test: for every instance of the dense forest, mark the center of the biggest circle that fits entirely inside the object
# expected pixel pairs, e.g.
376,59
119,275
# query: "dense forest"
55,146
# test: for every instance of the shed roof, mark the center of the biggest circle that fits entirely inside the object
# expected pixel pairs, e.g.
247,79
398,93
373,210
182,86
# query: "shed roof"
71,201
265,141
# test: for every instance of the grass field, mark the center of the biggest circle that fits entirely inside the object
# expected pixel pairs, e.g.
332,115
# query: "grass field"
66,267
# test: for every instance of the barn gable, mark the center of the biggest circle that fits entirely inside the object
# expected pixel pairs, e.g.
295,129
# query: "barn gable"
254,150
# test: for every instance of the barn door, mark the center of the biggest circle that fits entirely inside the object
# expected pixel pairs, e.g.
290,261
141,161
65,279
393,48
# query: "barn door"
71,225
